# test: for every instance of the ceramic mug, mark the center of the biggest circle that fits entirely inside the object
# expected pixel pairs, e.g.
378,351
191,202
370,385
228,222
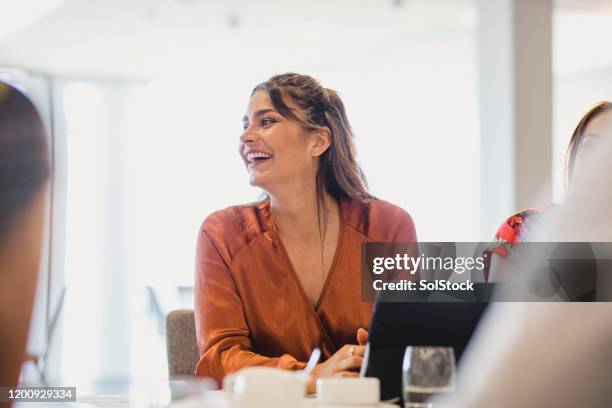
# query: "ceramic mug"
364,391
265,387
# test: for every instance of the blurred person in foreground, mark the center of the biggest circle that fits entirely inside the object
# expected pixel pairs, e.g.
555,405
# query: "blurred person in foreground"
277,278
24,171
595,125
552,354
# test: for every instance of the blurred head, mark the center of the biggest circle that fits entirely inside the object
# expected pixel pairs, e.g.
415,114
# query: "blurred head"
24,162
296,131
24,170
594,125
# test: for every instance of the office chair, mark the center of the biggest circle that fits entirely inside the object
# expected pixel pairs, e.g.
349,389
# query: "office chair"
181,343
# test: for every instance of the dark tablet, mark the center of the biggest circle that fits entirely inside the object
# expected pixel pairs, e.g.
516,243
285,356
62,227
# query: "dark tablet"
397,324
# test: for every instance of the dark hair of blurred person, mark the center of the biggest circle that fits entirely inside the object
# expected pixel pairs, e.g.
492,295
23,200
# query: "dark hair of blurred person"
585,135
24,170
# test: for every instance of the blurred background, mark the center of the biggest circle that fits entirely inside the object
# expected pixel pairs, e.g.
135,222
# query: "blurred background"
462,110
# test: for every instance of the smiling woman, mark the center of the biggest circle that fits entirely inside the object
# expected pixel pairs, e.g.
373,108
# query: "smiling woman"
278,278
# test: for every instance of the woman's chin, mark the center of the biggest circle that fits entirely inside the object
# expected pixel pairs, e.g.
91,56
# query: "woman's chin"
256,181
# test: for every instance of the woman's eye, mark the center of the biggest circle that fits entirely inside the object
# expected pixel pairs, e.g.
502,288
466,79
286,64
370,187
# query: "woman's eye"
266,122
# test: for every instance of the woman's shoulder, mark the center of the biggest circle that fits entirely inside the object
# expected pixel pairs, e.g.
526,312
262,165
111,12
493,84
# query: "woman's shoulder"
235,214
237,225
381,220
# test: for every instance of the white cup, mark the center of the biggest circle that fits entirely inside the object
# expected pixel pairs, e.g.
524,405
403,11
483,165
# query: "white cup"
348,391
265,387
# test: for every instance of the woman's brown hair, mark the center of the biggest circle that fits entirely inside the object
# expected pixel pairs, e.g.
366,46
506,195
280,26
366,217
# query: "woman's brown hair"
24,158
339,173
577,136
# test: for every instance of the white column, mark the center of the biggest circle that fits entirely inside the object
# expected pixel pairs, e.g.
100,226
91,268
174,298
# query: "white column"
515,61
57,237
115,346
94,341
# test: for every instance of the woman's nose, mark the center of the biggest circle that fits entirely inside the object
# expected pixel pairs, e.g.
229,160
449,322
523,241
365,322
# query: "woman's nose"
247,136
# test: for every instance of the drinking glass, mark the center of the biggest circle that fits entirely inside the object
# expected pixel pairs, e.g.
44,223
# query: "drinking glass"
427,372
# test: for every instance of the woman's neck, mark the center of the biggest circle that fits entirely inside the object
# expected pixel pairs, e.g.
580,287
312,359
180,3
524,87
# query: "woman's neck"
297,213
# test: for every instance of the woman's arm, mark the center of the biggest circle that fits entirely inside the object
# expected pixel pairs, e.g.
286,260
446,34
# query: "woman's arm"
406,231
221,329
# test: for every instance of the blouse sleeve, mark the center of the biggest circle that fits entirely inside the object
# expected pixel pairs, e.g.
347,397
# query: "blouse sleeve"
407,231
510,233
403,232
221,328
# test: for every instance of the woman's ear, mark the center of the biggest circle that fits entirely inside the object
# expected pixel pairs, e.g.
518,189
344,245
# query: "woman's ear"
322,141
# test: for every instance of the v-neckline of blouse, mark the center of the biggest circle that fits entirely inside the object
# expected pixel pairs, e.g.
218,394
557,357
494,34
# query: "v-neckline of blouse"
292,272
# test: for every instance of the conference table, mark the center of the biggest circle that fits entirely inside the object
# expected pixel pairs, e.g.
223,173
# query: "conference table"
214,399
207,399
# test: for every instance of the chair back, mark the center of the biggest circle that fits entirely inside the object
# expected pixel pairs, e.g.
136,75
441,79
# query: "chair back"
181,343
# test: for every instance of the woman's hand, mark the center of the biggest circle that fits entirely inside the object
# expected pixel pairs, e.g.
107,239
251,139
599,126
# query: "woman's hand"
362,337
344,363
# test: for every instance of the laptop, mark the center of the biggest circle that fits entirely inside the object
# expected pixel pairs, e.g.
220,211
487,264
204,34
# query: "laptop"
398,324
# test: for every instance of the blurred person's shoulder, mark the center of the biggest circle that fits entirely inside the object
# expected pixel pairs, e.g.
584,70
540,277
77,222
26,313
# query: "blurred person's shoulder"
379,220
235,227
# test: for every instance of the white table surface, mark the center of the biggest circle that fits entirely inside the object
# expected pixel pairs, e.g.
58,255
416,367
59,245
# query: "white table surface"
213,399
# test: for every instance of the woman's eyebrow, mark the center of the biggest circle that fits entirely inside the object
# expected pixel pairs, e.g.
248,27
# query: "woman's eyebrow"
263,112
260,112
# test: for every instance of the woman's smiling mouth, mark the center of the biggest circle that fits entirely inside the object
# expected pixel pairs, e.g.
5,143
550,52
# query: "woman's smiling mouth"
255,158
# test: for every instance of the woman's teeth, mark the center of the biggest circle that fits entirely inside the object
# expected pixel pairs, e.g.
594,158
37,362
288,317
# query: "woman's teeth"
257,156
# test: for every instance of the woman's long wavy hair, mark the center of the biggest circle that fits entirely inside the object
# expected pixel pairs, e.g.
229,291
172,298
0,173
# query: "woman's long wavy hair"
577,136
339,174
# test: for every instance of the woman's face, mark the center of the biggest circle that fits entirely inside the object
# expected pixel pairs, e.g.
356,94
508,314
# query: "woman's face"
277,151
599,127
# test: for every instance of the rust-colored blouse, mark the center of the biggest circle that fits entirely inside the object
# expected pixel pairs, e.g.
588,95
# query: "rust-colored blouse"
250,307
